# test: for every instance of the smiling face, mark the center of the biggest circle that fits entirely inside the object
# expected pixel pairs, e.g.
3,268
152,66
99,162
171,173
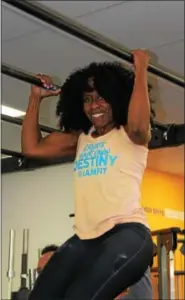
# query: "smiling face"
97,110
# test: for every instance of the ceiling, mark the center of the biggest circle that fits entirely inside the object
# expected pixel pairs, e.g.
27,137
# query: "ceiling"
32,45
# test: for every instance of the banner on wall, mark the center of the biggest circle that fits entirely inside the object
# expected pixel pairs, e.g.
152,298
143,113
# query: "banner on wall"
174,214
167,213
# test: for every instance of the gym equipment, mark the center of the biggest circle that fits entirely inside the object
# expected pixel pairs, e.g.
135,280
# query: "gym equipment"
169,135
39,253
182,249
89,36
18,121
10,272
180,275
166,245
24,262
71,215
20,75
32,278
172,274
168,277
166,238
179,283
23,292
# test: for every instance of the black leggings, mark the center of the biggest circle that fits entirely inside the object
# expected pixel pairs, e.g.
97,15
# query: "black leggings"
97,269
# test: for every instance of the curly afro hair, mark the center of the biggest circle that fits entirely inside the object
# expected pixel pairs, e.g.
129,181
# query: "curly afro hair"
112,81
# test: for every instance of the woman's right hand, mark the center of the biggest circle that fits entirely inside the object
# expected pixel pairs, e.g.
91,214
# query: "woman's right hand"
41,93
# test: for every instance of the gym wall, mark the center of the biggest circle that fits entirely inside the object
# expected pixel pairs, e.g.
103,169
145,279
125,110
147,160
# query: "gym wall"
42,200
163,200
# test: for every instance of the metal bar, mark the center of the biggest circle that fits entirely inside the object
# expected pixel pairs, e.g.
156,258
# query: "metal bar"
179,273
21,163
12,164
182,232
91,37
11,153
10,272
166,231
32,278
71,215
21,75
24,258
154,269
181,241
38,162
18,121
164,274
159,244
172,275
157,141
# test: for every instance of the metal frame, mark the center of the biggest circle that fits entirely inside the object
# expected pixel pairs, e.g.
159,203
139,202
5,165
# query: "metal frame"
19,122
18,162
172,275
22,75
89,36
166,242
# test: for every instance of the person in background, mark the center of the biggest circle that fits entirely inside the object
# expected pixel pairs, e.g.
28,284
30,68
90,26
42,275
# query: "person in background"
46,254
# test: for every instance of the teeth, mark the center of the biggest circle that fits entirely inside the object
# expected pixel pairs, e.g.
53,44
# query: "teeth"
97,115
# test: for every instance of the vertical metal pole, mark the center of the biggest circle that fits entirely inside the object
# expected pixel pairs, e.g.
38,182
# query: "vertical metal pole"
39,253
163,269
177,287
165,272
159,265
10,272
24,262
172,275
32,278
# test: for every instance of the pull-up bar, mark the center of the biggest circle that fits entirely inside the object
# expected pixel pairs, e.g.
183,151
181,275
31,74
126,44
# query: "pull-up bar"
83,33
19,122
169,135
23,76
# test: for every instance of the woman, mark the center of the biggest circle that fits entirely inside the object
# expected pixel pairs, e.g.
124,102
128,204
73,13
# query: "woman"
112,245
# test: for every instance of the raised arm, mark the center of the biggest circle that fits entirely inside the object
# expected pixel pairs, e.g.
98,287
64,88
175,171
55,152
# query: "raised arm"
54,145
138,123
